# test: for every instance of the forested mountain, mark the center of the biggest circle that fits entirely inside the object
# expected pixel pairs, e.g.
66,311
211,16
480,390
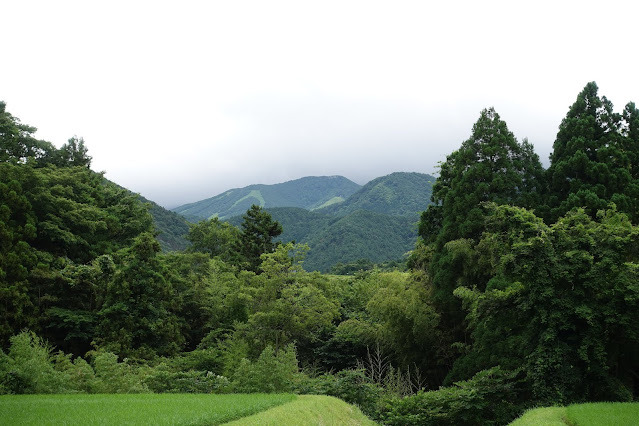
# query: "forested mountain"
171,227
376,223
342,239
361,235
397,194
309,193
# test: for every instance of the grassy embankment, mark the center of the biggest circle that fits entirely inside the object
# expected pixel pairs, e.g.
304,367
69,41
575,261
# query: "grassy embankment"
595,414
308,410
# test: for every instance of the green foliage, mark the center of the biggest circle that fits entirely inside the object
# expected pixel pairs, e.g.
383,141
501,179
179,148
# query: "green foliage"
171,227
376,223
17,144
257,237
205,295
594,159
287,304
376,237
354,387
362,234
491,166
56,222
73,154
272,372
28,367
112,376
575,283
488,398
214,238
137,317
163,379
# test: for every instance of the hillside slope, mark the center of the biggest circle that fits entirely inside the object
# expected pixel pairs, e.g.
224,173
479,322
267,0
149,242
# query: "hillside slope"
332,239
397,194
309,193
361,235
171,227
309,410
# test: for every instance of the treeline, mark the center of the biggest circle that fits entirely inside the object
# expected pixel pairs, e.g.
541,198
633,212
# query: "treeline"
522,289
534,270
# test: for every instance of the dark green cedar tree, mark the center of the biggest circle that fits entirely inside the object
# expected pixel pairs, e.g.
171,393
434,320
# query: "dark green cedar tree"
257,237
491,166
594,158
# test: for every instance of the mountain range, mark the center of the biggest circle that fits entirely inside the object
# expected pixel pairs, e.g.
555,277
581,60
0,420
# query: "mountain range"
340,220
310,193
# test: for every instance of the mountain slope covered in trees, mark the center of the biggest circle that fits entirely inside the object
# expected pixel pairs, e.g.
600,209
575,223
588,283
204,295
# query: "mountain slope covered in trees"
359,235
171,227
309,193
397,194
375,223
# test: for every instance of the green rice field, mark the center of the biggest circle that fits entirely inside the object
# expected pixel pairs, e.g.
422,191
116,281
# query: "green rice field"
591,414
138,409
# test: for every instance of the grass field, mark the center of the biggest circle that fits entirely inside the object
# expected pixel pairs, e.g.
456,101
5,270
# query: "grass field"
592,414
139,409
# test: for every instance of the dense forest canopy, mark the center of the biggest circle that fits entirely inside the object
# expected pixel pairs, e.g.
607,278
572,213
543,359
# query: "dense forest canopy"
504,240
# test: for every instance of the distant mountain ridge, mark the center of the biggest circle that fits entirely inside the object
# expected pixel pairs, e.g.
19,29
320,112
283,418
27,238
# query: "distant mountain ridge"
397,194
309,193
378,222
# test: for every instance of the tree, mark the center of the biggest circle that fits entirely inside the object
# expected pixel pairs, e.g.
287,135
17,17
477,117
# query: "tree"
17,256
256,238
17,143
595,158
214,237
575,283
286,304
74,154
491,166
138,316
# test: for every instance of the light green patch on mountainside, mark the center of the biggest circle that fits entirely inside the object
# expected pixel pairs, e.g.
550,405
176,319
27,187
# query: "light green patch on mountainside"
397,194
256,195
334,200
307,193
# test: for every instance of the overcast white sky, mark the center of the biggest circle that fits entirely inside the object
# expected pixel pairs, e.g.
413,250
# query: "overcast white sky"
180,101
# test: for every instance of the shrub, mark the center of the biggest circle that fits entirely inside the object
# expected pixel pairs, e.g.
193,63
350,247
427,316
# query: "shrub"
28,367
78,376
488,398
272,372
354,387
162,379
115,377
